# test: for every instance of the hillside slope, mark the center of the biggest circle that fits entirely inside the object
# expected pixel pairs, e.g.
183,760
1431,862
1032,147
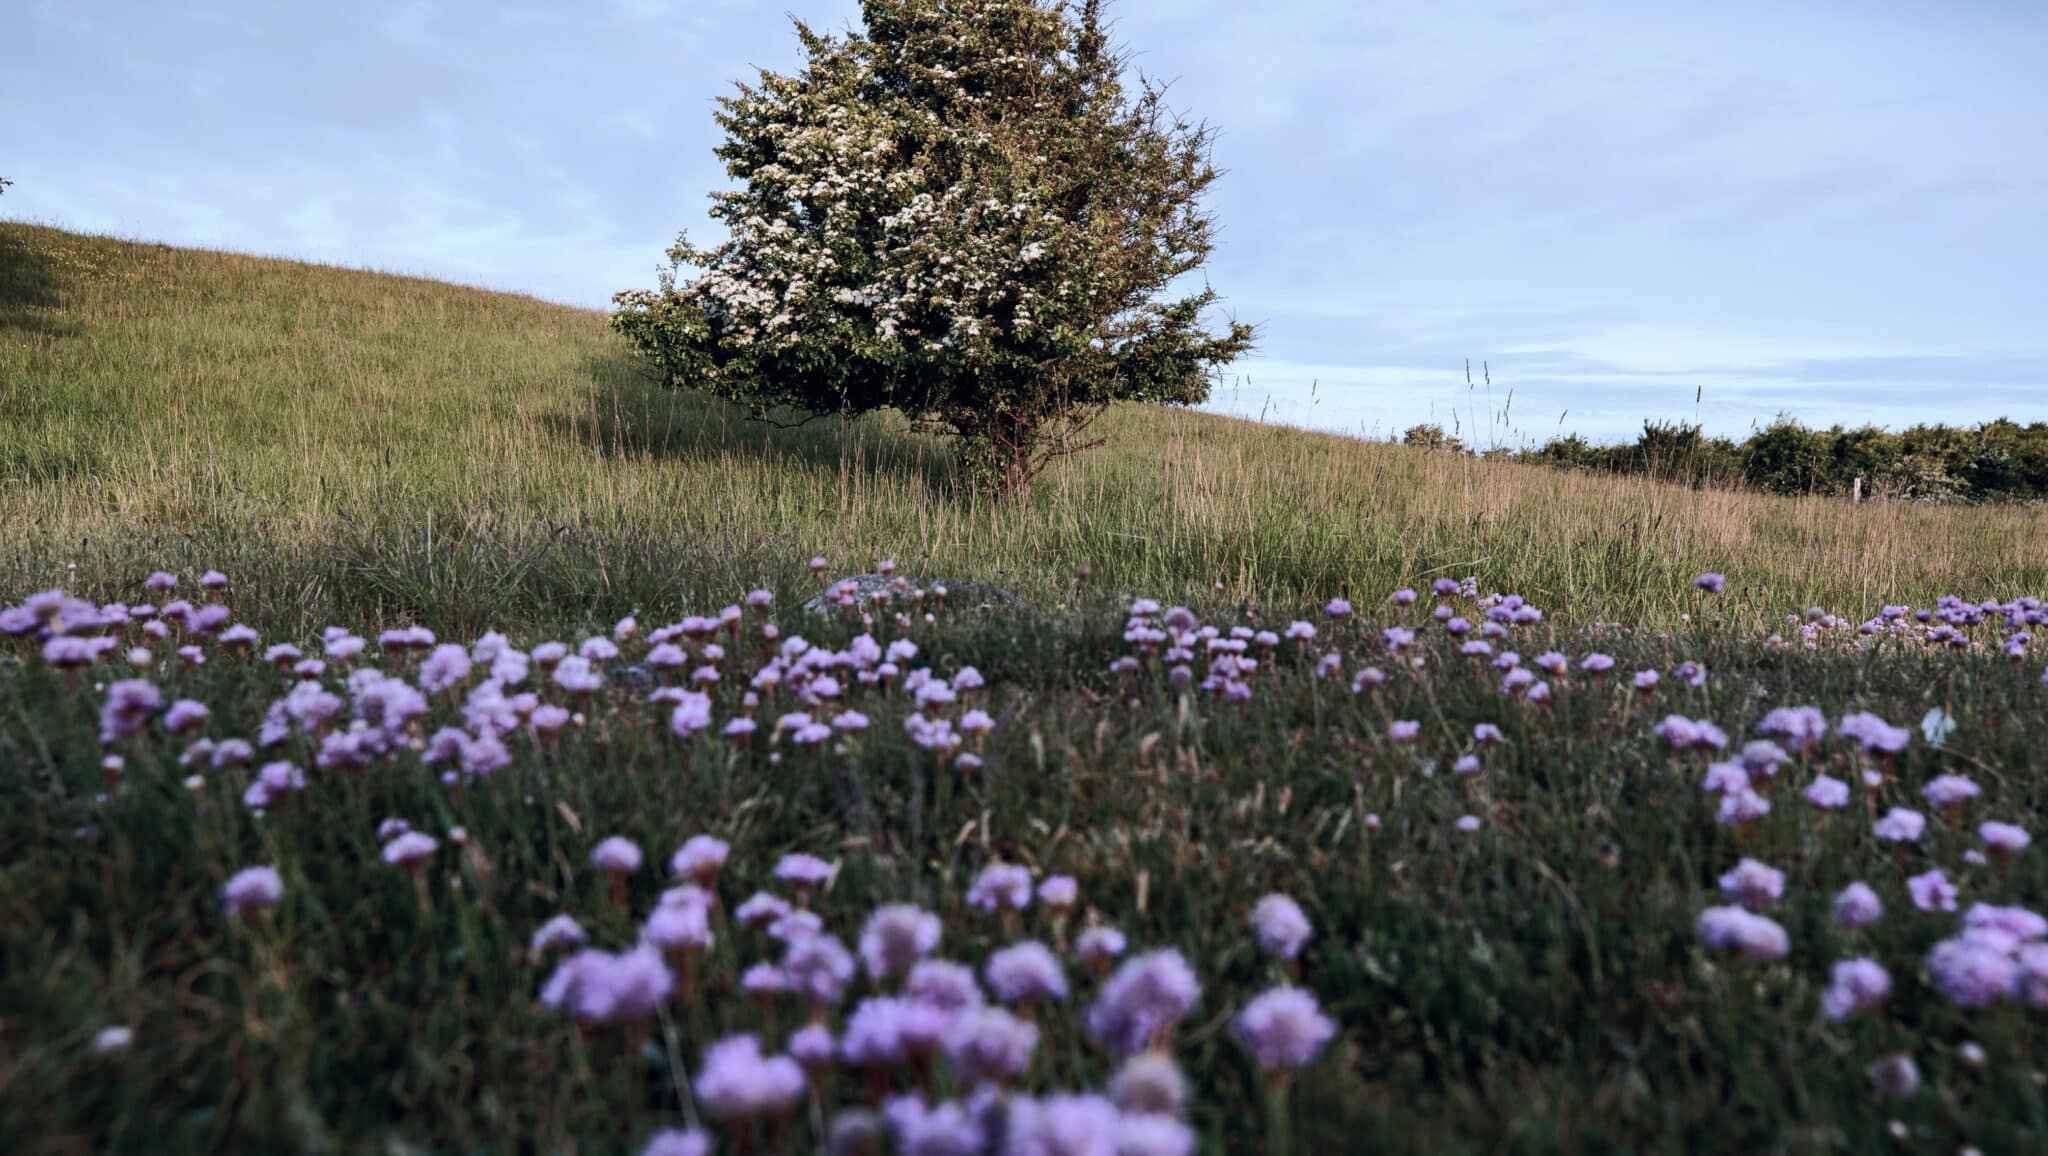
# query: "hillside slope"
394,446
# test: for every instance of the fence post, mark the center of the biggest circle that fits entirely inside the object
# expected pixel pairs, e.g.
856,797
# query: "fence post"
1856,490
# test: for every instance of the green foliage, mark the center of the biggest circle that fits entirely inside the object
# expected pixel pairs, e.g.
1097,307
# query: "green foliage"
1999,460
960,212
1431,437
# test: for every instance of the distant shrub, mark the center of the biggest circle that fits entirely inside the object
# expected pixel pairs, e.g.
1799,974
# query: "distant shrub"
1431,437
1997,461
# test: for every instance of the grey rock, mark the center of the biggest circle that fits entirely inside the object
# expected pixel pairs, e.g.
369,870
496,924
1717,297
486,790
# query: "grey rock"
903,590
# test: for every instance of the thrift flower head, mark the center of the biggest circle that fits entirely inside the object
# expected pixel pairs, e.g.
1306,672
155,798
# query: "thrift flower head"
736,1082
410,849
1857,906
616,856
1828,793
1950,791
1025,972
1144,999
1752,884
1932,891
1150,1083
1710,582
803,870
1283,1028
1098,945
818,968
599,987
677,1142
557,934
2003,837
1875,735
1855,985
111,1041
991,1044
252,889
1059,892
1901,826
944,984
1734,928
1280,927
184,715
1001,885
1895,1075
895,937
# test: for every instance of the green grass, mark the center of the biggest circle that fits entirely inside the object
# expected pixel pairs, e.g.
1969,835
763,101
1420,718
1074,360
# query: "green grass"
368,450
374,445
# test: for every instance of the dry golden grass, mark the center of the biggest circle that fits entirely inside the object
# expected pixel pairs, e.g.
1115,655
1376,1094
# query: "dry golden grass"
416,446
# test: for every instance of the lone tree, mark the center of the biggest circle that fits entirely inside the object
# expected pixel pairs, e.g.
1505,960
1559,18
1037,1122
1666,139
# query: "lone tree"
962,212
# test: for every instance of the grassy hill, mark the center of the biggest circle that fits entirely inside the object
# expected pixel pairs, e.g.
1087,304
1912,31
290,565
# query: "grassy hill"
397,447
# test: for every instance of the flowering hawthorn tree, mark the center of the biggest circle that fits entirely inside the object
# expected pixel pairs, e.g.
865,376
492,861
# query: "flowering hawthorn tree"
959,211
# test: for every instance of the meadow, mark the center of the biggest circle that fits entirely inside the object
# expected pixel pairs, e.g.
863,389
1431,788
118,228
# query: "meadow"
412,739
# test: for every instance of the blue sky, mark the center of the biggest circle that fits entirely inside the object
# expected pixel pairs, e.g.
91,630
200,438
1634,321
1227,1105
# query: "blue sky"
1833,209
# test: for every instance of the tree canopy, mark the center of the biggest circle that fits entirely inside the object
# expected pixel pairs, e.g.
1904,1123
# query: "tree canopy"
960,210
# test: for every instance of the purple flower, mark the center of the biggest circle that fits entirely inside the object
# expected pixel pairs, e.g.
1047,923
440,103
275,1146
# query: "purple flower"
1901,826
1752,884
1280,927
813,1046
1142,1134
1283,1028
184,715
1140,1004
1001,885
1024,972
1467,824
736,1082
699,859
1150,1084
1949,791
762,909
1895,1075
1338,608
129,704
1974,971
1062,1125
1710,582
1827,792
1875,735
1098,944
1857,906
1597,663
946,1129
677,1142
1932,891
1646,680
616,856
895,937
1487,733
445,669
1725,778
1756,936
410,849
1404,731
2017,922
943,984
1059,892
1855,985
991,1044
803,871
1798,727
678,927
2003,837
557,934
818,967
252,889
